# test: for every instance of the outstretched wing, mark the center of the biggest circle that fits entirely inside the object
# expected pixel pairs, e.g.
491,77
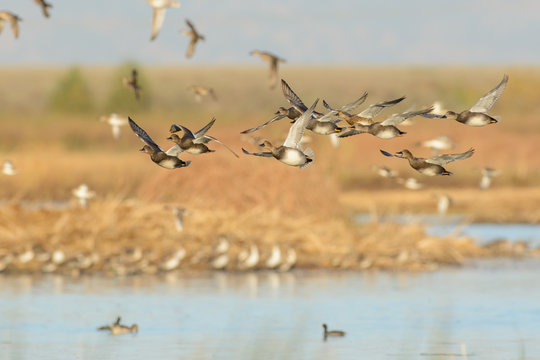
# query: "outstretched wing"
345,108
143,135
351,132
157,21
448,158
191,26
291,97
208,138
397,119
175,128
486,102
174,150
207,127
263,154
297,129
386,153
275,118
375,109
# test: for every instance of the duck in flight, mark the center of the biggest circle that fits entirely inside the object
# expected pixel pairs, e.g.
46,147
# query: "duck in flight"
290,153
477,115
194,35
6,16
157,154
273,62
132,83
432,166
158,16
44,7
193,143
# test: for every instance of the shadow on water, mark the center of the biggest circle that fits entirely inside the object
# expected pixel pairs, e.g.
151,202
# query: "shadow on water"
489,308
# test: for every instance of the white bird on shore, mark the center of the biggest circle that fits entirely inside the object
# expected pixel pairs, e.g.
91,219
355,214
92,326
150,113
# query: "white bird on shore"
443,203
248,260
275,258
172,260
410,183
179,213
290,261
116,122
487,176
439,143
8,168
83,194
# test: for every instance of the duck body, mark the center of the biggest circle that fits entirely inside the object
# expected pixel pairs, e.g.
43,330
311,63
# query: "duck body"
118,329
164,160
187,144
432,166
476,119
328,333
323,127
290,156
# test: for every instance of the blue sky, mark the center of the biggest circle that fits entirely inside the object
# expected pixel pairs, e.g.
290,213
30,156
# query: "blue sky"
338,32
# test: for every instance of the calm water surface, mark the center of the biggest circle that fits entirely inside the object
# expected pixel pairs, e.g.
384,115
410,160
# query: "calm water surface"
492,308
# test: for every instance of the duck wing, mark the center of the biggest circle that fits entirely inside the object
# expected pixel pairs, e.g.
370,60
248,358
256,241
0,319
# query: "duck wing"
157,21
2,23
143,135
448,158
174,150
486,102
291,97
263,154
208,138
187,133
297,129
15,27
374,109
275,118
397,119
207,127
386,153
345,108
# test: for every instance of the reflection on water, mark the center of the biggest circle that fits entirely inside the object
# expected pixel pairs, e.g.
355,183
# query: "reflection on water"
491,309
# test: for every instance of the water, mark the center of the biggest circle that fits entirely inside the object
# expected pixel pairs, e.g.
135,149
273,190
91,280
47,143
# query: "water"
482,233
492,308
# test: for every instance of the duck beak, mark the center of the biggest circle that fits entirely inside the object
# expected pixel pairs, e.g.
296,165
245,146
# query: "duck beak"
400,153
492,121
338,129
169,138
141,149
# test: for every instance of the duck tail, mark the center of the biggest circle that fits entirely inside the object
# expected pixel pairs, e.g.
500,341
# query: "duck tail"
310,156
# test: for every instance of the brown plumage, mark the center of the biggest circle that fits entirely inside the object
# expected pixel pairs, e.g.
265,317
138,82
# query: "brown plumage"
44,7
273,61
194,35
13,19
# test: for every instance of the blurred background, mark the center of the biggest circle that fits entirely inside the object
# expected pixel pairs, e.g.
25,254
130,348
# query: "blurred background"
64,73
